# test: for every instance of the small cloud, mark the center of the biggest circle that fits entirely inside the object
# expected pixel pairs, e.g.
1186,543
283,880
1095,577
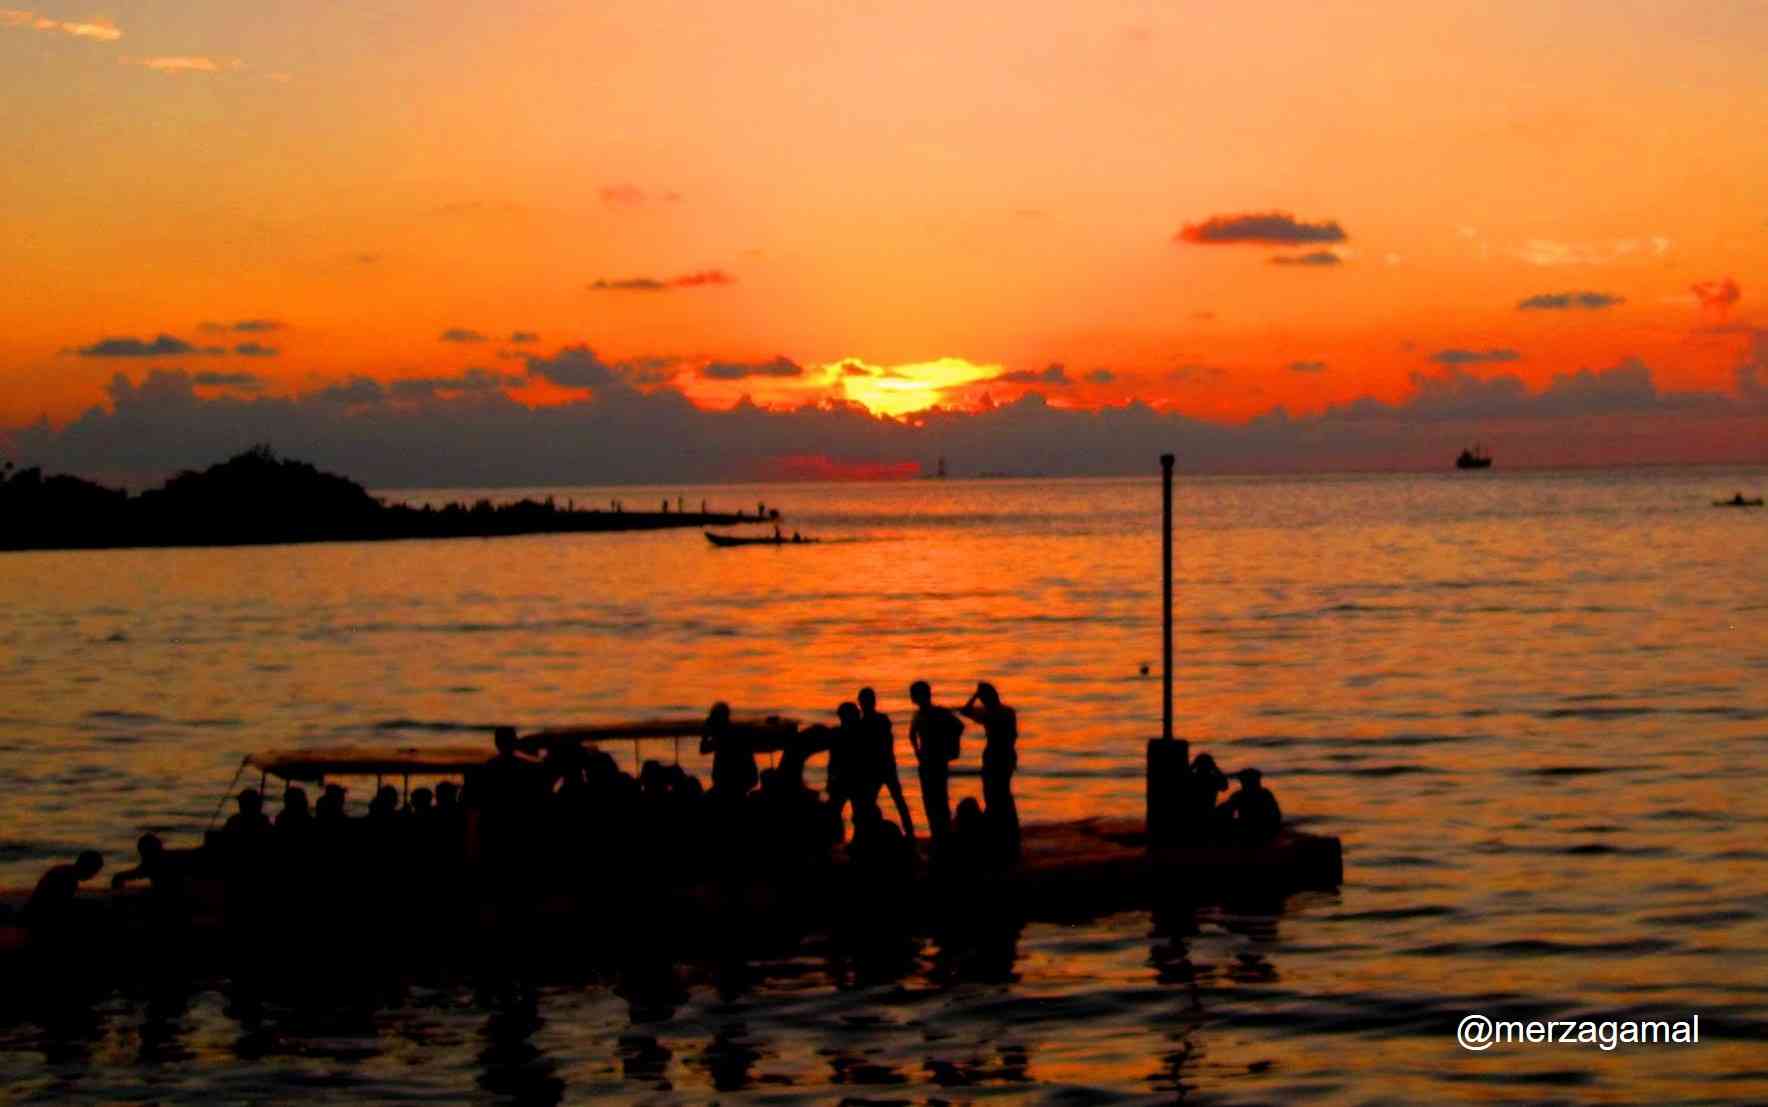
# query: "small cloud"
1474,357
367,259
100,30
227,380
164,345
357,390
1717,296
855,369
256,349
186,63
736,370
1101,376
1317,257
630,284
518,338
461,334
1569,301
1054,374
702,278
1269,228
244,326
705,278
472,382
1307,367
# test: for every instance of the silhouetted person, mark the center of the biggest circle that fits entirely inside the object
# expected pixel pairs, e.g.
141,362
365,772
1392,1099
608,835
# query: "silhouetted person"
1200,818
878,850
295,815
1000,757
880,745
733,755
151,865
51,905
448,798
385,804
423,803
250,819
1256,816
848,770
329,811
934,733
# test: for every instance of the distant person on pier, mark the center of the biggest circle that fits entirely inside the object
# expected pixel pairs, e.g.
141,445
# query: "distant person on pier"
1253,809
250,819
733,756
934,733
51,905
880,751
1000,757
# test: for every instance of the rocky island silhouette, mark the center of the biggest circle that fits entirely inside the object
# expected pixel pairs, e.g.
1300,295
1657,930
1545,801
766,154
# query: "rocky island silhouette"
258,498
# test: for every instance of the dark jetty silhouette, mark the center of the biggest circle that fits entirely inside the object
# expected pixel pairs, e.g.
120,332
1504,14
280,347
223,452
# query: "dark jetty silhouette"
258,498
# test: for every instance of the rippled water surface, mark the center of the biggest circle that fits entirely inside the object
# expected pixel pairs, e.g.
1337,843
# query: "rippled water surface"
1534,706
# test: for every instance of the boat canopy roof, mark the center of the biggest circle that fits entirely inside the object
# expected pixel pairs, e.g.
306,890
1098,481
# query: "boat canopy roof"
763,734
316,764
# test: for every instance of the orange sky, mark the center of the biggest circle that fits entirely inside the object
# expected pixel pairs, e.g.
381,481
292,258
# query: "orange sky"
936,197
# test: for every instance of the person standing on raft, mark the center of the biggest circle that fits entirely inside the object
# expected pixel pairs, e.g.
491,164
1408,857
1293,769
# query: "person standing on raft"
934,733
1000,757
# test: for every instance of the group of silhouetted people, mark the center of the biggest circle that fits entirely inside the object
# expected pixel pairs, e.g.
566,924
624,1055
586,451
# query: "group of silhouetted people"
861,748
1249,817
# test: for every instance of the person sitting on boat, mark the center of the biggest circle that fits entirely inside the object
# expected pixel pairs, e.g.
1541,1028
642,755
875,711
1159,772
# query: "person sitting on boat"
52,902
1000,757
385,804
422,805
1253,809
934,734
295,817
250,819
155,864
733,756
880,751
329,811
1201,819
878,850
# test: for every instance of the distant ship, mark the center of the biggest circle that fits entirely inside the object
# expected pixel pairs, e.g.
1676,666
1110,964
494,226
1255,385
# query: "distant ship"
937,474
1476,458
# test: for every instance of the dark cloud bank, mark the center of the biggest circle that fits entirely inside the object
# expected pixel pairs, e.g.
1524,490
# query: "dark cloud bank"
466,431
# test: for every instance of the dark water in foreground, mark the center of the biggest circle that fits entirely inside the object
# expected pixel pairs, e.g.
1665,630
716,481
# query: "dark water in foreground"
1534,706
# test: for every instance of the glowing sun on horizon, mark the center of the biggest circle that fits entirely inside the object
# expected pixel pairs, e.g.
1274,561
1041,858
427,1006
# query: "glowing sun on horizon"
897,390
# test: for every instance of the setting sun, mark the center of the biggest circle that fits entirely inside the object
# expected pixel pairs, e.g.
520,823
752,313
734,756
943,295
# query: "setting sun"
901,389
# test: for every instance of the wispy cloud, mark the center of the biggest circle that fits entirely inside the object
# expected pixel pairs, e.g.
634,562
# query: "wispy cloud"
164,345
101,30
1267,228
520,337
186,63
1316,257
1717,296
256,349
243,326
1569,301
704,278
1307,367
461,334
1490,356
1054,375
737,370
1547,252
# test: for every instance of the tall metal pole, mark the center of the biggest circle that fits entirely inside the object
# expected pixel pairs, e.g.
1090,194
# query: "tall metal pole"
1166,594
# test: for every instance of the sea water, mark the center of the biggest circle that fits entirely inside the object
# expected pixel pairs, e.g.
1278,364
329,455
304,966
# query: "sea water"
1533,705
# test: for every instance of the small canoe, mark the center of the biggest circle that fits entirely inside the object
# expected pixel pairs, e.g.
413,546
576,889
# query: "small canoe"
724,540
